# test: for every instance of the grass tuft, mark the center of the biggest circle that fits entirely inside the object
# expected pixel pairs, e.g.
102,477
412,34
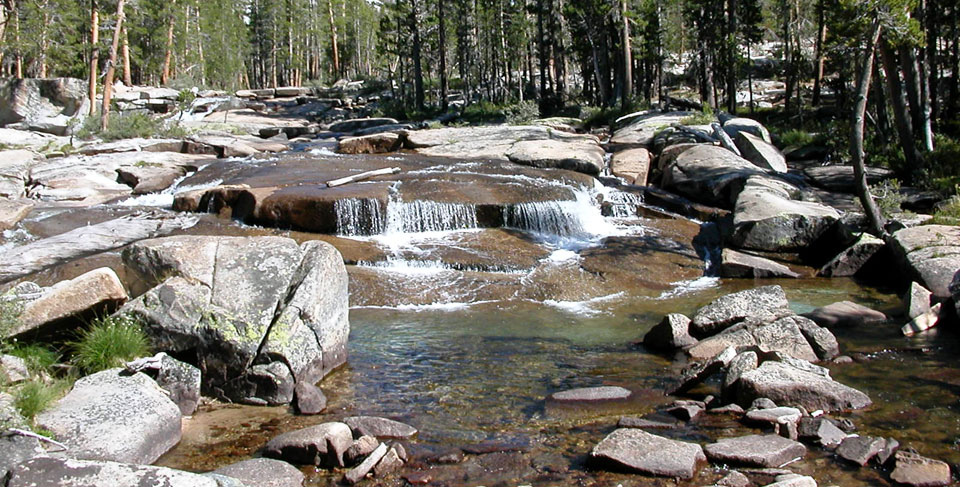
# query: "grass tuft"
34,396
109,342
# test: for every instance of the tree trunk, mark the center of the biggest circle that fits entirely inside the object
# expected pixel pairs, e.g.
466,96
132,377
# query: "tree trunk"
732,56
904,124
111,68
127,77
856,132
333,41
443,56
168,55
417,61
627,58
820,58
94,54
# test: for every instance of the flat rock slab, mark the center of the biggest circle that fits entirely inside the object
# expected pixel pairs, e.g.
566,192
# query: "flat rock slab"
637,450
930,254
756,450
739,264
788,385
913,469
860,449
323,444
760,152
641,127
61,472
844,314
380,428
591,394
263,472
13,211
115,417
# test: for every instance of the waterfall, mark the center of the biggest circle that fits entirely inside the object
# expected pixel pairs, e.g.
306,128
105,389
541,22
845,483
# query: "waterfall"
429,216
359,216
623,204
580,218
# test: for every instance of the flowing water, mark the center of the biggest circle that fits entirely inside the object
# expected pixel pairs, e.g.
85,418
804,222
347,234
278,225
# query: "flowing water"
463,331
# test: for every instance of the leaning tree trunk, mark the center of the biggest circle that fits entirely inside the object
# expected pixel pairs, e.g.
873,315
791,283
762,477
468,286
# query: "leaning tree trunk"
856,133
111,68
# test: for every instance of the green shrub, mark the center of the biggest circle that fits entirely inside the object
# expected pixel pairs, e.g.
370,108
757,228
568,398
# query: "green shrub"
888,197
794,137
9,319
948,213
129,126
521,113
39,359
34,396
705,117
109,342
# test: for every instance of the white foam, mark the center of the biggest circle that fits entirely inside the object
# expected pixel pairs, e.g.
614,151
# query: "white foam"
584,308
693,285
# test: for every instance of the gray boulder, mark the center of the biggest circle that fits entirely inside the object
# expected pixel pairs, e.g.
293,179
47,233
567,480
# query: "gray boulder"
639,129
380,428
789,385
357,473
323,445
633,165
308,399
851,260
370,144
737,125
182,381
769,216
44,105
930,255
755,450
913,469
360,449
741,364
860,449
263,472
820,431
636,450
275,315
708,174
13,211
739,264
348,126
782,335
96,291
840,178
115,417
64,472
766,303
763,154
583,156
13,370
14,171
671,333
14,449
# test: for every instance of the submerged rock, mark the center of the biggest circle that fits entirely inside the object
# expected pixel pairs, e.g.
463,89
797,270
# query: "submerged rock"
62,472
263,472
115,417
380,428
261,313
755,450
591,394
323,445
844,314
637,450
913,469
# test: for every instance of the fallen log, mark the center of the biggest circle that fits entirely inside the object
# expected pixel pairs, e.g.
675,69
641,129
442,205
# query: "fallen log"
89,240
362,176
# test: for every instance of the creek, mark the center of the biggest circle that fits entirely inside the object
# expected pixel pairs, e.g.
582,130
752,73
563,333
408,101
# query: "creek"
480,288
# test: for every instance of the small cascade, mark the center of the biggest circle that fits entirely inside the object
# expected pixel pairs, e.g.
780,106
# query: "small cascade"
359,216
622,204
580,218
429,216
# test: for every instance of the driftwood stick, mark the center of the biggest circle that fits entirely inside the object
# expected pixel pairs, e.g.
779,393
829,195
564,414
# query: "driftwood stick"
362,176
725,140
31,434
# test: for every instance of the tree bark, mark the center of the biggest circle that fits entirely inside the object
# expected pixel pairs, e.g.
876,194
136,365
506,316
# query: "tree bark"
127,77
904,124
111,68
732,56
333,41
856,132
168,54
94,54
820,58
417,61
627,58
443,55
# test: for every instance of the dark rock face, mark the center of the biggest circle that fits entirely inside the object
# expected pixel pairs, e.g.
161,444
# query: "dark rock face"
115,417
380,428
182,381
789,385
755,450
62,472
348,126
637,450
263,472
14,449
274,315
767,302
323,445
854,258
840,178
820,431
670,334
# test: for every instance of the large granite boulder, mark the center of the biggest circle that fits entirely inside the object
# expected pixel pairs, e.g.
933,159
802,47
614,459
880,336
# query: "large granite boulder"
930,255
44,105
64,472
783,335
636,450
633,165
116,417
769,216
14,171
259,314
761,153
91,292
263,472
708,174
640,128
582,156
765,303
786,384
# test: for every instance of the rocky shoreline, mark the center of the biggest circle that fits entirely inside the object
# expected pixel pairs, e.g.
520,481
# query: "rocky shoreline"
261,320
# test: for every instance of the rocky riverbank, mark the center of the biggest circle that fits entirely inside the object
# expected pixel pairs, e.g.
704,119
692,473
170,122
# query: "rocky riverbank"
534,213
